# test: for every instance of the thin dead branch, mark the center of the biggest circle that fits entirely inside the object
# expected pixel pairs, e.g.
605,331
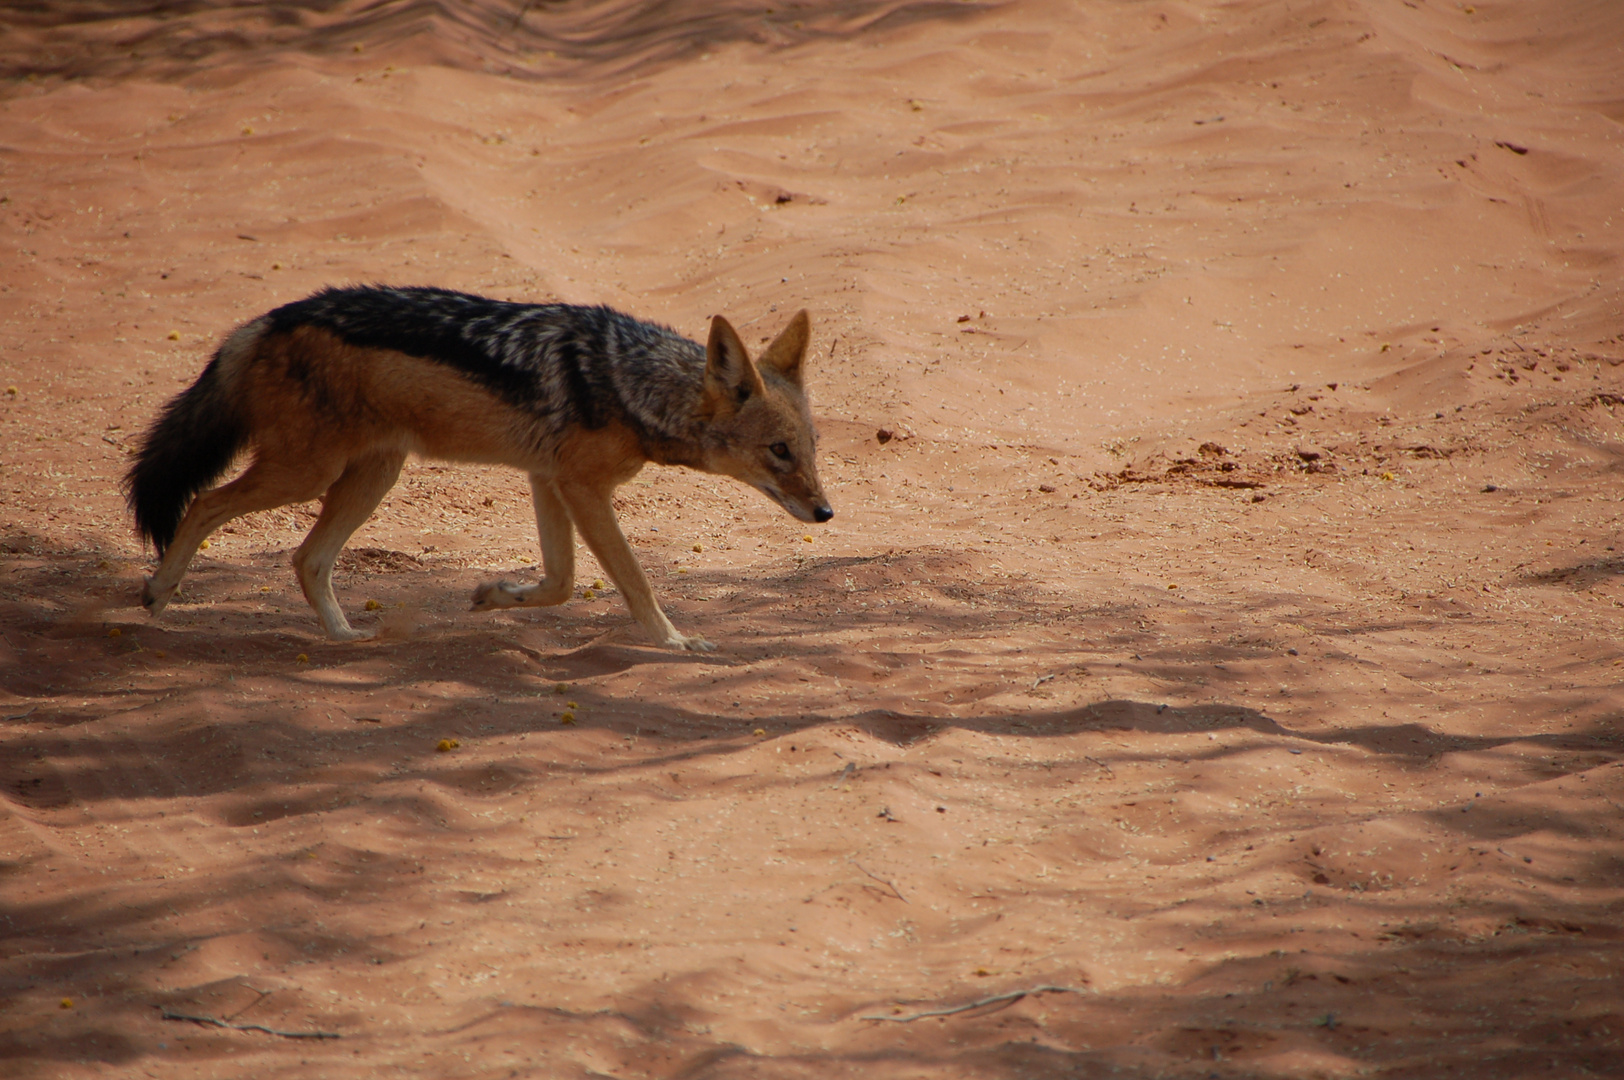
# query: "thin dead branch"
170,1015
889,885
1007,999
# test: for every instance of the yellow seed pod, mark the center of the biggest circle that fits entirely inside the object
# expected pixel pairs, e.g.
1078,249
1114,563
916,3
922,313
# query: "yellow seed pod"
204,546
66,1003
761,731
588,594
561,688
597,583
699,547
807,538
302,658
174,335
567,718
445,746
572,705
115,632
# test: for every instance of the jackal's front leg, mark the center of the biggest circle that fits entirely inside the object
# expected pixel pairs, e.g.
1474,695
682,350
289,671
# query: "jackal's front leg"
594,514
557,558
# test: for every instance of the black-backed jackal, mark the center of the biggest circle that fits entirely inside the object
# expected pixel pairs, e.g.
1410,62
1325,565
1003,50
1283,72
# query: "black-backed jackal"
330,393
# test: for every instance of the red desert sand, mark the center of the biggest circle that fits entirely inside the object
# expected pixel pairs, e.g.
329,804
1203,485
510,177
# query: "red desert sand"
1213,668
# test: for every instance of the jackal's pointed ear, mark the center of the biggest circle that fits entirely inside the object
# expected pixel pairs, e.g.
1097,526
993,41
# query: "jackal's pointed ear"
788,349
730,377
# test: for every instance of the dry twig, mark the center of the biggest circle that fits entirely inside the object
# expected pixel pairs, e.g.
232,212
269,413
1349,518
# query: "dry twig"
889,885
170,1015
1010,998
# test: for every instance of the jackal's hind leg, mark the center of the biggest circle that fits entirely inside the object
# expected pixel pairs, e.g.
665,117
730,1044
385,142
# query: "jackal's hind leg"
263,486
348,503
557,558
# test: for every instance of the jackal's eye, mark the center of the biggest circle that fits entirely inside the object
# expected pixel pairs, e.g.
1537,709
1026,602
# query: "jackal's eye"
780,451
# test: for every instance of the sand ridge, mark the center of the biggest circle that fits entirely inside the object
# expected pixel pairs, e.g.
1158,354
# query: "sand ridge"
1225,629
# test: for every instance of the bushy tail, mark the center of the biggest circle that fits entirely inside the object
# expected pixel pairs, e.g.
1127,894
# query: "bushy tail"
191,443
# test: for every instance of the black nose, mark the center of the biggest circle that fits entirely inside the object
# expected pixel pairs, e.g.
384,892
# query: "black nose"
822,513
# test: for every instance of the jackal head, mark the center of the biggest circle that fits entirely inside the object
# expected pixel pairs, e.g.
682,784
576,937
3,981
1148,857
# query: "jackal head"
757,422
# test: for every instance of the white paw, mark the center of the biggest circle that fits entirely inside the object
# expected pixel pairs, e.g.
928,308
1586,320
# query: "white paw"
349,633
495,594
684,643
152,601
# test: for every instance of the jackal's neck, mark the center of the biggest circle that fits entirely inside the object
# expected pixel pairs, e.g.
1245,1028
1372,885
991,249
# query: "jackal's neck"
659,384
672,450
